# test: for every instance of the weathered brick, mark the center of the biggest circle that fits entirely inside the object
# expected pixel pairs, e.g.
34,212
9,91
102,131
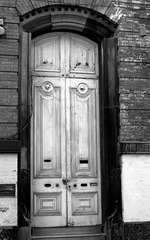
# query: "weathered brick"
8,115
135,117
134,54
24,6
143,11
9,63
134,70
8,80
8,131
9,84
133,24
8,97
39,3
135,100
134,133
9,15
133,40
8,3
12,31
127,85
9,47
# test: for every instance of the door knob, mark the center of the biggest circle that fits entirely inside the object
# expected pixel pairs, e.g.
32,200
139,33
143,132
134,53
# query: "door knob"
64,181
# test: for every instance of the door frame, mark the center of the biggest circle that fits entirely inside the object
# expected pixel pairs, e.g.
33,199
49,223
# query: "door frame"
102,34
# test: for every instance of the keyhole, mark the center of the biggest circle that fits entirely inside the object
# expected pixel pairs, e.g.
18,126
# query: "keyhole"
82,88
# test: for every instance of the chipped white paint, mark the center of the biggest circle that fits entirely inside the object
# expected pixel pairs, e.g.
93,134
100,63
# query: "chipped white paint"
65,143
136,187
8,175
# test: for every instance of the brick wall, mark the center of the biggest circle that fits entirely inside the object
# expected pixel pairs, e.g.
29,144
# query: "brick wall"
134,71
9,55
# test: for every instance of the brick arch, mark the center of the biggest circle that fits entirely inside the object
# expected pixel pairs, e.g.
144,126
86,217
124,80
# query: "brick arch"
57,17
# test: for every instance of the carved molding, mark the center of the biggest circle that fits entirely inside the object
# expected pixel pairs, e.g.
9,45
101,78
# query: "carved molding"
58,17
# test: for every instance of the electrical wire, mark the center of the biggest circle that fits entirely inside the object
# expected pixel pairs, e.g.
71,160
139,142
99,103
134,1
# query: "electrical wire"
12,136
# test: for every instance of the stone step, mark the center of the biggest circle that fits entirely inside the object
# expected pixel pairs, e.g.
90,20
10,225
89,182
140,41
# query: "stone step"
68,233
72,237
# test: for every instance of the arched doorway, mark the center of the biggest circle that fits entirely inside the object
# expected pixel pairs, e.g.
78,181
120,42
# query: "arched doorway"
65,160
56,28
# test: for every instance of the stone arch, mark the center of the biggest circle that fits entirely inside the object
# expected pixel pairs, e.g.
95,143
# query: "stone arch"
109,8
83,20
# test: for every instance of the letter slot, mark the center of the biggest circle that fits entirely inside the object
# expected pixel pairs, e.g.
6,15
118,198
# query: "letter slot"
84,163
47,164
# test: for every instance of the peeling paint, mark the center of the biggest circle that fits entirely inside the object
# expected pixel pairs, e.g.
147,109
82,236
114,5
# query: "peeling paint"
4,209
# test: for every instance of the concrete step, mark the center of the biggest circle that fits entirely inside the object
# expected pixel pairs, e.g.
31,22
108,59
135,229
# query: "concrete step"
82,237
69,233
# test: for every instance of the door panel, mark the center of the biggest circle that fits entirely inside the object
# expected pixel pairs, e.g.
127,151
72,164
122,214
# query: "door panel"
65,54
66,187
49,163
82,56
47,127
83,109
83,159
47,54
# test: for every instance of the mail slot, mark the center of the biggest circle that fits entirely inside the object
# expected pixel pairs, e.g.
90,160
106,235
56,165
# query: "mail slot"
7,190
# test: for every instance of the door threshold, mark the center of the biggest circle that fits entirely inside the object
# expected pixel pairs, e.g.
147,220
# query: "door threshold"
99,235
66,231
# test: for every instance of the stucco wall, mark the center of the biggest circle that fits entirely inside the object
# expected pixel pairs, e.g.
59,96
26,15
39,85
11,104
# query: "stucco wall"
135,187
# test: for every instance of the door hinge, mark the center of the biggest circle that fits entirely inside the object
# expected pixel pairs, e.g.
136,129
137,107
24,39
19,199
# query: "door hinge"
113,226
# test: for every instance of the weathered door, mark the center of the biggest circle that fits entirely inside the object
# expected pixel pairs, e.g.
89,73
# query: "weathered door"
65,150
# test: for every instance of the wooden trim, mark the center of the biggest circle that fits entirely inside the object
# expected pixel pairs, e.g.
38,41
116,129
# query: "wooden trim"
24,92
110,118
11,146
104,133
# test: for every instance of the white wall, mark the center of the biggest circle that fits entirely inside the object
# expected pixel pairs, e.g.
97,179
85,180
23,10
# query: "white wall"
136,187
8,175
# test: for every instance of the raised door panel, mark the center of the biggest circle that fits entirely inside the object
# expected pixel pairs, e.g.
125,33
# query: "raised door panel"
83,154
48,152
83,114
83,58
47,130
48,54
65,54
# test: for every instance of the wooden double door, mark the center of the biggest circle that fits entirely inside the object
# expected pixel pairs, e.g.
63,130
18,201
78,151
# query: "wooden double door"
65,132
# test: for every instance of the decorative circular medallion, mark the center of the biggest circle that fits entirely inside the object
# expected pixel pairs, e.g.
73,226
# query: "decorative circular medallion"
47,87
82,88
